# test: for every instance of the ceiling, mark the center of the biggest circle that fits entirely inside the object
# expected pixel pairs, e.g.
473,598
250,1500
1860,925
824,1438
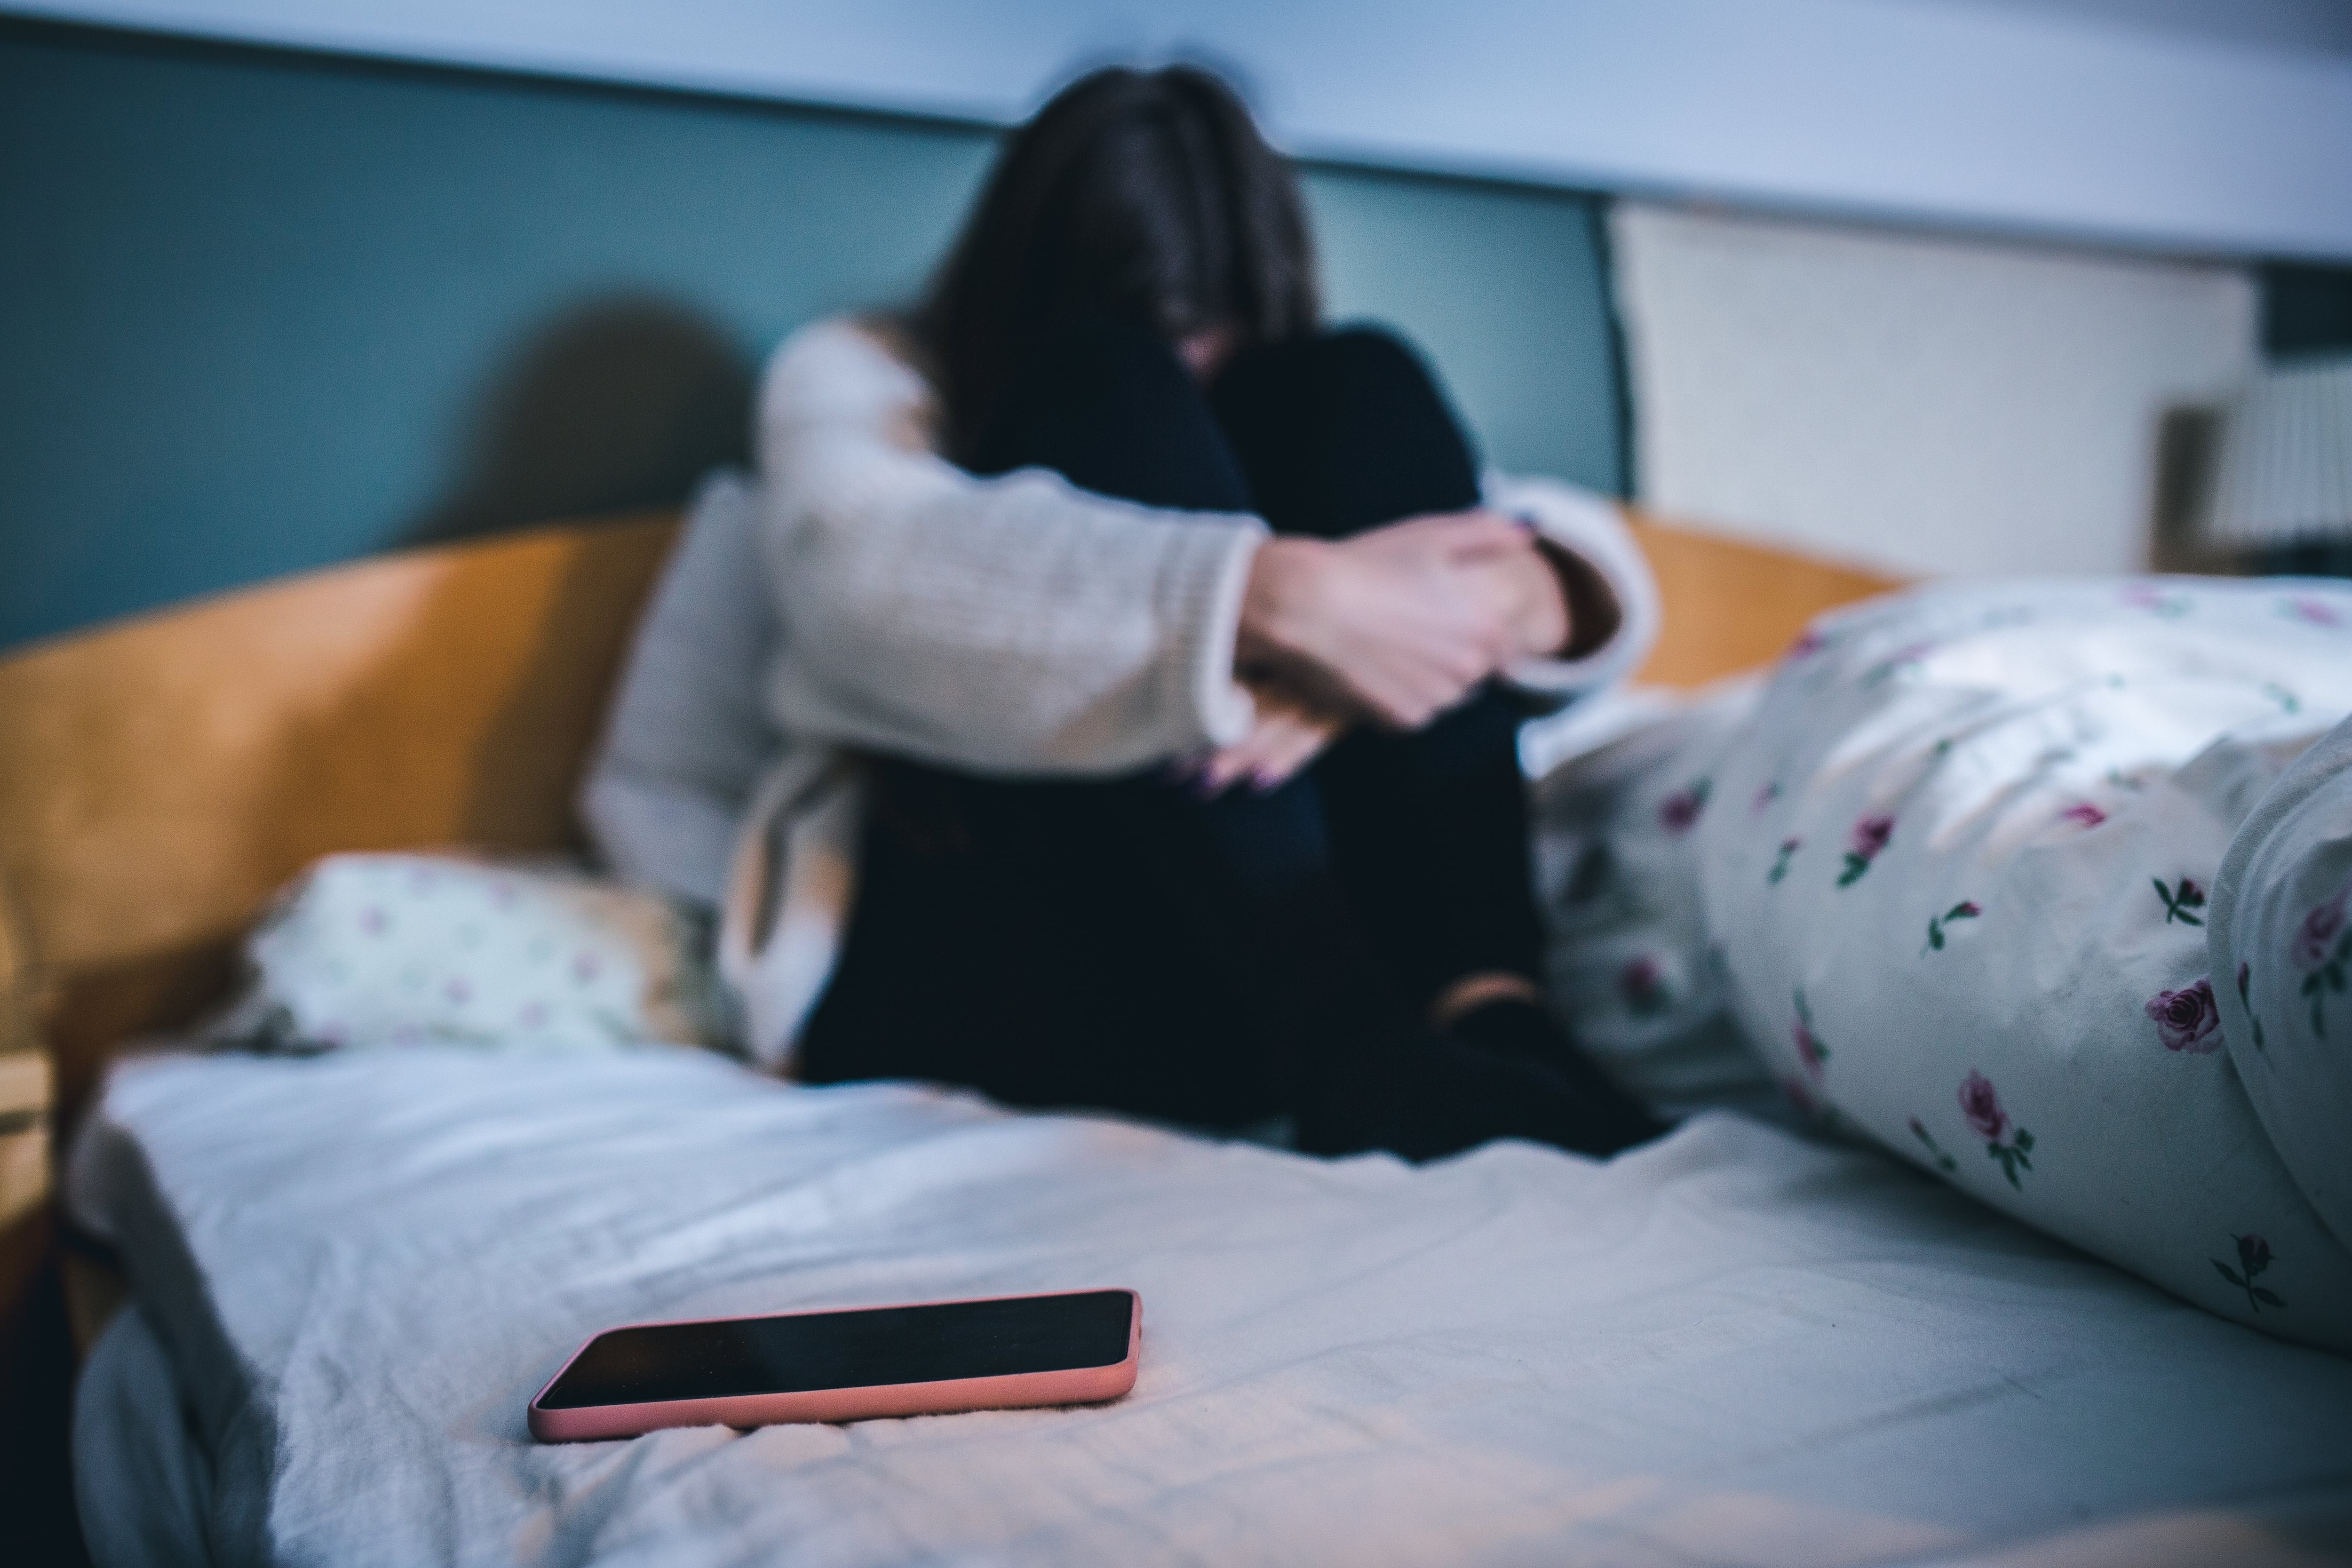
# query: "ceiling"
2211,126
2315,26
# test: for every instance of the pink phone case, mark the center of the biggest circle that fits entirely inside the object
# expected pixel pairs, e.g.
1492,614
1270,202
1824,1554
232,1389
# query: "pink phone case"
1077,1385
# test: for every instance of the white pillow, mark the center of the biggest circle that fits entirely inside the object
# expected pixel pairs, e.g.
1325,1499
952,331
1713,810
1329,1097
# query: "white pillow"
368,951
1628,965
2282,934
688,737
1959,866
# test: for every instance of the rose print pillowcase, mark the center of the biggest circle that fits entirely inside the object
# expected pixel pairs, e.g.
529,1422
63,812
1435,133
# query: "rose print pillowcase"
367,951
1962,866
2282,941
1629,966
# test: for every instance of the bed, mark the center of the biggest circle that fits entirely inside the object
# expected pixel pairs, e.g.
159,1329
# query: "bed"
1738,1345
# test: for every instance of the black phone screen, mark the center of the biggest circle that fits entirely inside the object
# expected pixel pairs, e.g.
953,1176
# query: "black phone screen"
861,1349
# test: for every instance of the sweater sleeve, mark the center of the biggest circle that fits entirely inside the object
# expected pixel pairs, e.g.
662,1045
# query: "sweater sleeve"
1011,624
1589,526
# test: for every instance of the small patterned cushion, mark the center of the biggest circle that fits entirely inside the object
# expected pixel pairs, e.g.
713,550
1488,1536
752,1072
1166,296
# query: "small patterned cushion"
1960,867
2283,937
393,949
1628,962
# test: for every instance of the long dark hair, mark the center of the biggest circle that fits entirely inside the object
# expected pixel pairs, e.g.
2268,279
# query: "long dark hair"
1146,194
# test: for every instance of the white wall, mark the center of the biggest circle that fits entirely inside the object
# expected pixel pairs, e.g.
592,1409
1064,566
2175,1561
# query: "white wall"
1924,405
2059,121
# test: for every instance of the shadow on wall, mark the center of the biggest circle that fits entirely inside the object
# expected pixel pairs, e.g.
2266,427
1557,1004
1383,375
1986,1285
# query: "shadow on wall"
620,404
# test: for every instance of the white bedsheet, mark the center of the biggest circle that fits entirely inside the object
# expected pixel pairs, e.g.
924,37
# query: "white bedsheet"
1729,1347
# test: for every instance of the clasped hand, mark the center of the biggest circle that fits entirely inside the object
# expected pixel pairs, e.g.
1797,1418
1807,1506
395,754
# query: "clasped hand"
1390,626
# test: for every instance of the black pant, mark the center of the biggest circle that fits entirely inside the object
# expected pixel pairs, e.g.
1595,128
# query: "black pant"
1124,943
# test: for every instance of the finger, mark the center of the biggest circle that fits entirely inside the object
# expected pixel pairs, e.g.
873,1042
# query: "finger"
1474,535
1406,711
1488,535
1440,686
1269,740
1263,758
1296,746
1225,767
1276,770
1461,662
1439,535
1407,696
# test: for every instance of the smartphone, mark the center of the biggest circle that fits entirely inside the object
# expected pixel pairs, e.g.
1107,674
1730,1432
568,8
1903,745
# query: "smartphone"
921,1358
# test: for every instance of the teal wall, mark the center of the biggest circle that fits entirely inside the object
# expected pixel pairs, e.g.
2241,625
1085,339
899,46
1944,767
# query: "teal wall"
262,312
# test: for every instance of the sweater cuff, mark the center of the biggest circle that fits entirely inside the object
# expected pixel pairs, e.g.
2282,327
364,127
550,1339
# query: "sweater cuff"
1587,527
1201,606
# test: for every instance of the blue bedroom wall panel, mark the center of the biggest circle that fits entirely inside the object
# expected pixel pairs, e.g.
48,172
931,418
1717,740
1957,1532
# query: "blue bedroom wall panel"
261,312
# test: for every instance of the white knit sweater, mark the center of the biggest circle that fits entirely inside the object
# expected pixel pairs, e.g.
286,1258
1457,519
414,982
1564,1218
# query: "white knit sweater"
1014,625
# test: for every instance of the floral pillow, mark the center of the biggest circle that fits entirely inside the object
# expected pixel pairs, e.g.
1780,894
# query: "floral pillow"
2282,936
367,951
1627,964
1961,866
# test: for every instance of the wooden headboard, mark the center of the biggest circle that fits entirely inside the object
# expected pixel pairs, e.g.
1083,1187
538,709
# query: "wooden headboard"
167,773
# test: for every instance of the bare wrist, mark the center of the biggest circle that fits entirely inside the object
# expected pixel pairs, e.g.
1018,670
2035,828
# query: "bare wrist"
1277,602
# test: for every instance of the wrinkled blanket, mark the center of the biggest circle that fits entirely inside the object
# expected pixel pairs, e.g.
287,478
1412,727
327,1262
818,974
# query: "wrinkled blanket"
1731,1346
